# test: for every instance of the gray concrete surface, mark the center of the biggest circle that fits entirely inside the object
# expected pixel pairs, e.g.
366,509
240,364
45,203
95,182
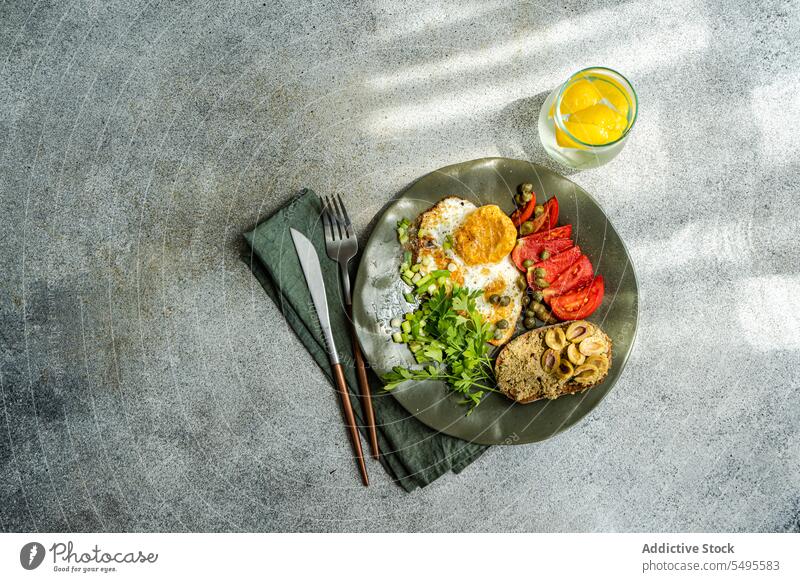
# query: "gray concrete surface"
149,384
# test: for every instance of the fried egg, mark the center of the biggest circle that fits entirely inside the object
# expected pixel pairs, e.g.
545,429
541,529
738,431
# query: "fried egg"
474,244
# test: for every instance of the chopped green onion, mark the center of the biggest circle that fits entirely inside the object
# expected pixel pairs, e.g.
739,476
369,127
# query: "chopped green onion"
409,297
422,281
397,337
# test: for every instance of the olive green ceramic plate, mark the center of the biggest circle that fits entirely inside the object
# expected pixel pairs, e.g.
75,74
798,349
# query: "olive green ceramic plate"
379,291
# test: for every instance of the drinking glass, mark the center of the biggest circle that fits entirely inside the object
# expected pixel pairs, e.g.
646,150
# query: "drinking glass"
586,121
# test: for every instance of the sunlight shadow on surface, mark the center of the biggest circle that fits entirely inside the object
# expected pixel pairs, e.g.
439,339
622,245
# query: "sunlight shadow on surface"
516,133
773,106
769,312
592,25
434,16
726,243
660,48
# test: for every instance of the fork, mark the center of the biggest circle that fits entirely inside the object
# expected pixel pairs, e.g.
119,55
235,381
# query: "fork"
341,245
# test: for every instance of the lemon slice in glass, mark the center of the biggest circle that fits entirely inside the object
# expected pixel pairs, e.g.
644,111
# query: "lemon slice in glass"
580,95
587,133
602,116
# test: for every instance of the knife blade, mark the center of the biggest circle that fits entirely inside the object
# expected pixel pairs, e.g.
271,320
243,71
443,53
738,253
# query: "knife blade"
309,263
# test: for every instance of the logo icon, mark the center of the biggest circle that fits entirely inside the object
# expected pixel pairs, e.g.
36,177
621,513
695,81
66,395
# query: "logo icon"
31,555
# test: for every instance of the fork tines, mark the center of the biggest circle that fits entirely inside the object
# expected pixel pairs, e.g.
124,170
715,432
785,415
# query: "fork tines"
334,213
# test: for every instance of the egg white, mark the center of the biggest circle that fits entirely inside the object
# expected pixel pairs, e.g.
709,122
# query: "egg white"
437,228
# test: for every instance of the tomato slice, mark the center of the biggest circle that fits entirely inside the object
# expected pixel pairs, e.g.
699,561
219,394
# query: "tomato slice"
520,215
555,265
541,222
577,275
532,249
580,303
560,232
546,220
551,210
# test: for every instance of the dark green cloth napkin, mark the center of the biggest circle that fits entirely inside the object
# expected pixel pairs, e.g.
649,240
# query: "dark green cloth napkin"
413,454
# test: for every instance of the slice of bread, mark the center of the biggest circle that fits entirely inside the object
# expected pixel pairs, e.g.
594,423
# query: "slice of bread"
522,377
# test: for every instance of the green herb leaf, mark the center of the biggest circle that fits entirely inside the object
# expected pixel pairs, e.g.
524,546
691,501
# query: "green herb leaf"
447,329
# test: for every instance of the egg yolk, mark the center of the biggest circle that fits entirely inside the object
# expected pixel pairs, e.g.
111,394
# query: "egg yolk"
487,235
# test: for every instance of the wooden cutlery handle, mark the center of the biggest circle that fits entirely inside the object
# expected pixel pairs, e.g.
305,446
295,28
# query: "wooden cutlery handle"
363,383
341,387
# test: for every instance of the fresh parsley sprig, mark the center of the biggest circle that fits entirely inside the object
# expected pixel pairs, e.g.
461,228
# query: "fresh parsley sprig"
449,337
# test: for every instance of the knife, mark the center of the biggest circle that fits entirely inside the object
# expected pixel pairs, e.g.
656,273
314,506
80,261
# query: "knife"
309,263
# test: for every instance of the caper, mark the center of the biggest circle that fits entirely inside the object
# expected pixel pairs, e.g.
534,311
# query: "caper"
526,187
538,210
526,299
527,263
494,299
542,283
545,255
539,272
529,323
526,228
501,324
530,313
543,313
505,300
498,334
537,295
